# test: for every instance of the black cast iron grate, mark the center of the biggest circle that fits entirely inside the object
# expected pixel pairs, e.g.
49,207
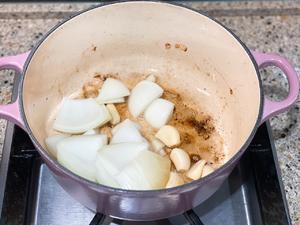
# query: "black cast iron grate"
191,217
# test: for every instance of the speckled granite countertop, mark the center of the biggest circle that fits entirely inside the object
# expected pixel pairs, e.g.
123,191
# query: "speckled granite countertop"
265,26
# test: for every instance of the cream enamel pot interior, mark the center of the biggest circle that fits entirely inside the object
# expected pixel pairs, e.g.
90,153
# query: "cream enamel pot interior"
217,73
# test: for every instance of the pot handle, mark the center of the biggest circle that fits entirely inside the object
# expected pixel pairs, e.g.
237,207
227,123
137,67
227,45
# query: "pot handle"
11,111
272,108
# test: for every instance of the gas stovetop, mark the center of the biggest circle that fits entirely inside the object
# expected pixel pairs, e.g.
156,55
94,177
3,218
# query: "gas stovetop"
253,194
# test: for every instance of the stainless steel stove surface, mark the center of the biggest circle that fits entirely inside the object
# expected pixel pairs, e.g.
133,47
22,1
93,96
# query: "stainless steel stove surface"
30,195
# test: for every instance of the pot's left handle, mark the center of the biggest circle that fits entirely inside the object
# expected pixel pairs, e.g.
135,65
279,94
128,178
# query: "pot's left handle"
11,111
272,108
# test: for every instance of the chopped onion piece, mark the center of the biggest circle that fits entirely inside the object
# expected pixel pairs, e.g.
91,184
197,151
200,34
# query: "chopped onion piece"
125,123
78,154
145,141
116,100
147,171
104,177
80,115
127,133
115,157
142,95
112,89
91,132
112,159
159,112
52,141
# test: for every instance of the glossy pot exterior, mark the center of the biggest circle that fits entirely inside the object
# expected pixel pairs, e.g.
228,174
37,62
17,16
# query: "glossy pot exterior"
141,207
148,205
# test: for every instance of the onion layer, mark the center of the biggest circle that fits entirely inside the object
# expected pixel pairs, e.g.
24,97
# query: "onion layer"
80,115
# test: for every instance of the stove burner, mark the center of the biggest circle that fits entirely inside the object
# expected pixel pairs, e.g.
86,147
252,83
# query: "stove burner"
29,195
191,217
98,219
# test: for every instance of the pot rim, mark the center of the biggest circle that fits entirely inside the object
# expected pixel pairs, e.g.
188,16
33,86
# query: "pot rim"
146,193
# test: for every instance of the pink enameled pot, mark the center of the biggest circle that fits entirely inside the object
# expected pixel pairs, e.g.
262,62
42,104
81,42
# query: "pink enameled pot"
216,72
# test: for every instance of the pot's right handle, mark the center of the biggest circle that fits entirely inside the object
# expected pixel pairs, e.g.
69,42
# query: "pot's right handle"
272,108
11,111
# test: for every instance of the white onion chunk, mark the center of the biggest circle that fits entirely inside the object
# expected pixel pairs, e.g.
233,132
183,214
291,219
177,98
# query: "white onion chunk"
142,95
112,89
159,112
80,115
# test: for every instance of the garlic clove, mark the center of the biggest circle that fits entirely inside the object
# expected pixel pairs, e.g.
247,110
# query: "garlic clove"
180,159
207,169
115,116
196,170
142,95
174,180
162,152
169,135
159,112
157,145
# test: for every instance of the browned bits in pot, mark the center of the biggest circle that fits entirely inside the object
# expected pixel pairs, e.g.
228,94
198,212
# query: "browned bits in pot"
187,138
106,130
172,96
168,150
97,83
195,158
89,90
167,46
197,129
231,91
181,47
218,157
122,109
98,75
203,127
103,77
